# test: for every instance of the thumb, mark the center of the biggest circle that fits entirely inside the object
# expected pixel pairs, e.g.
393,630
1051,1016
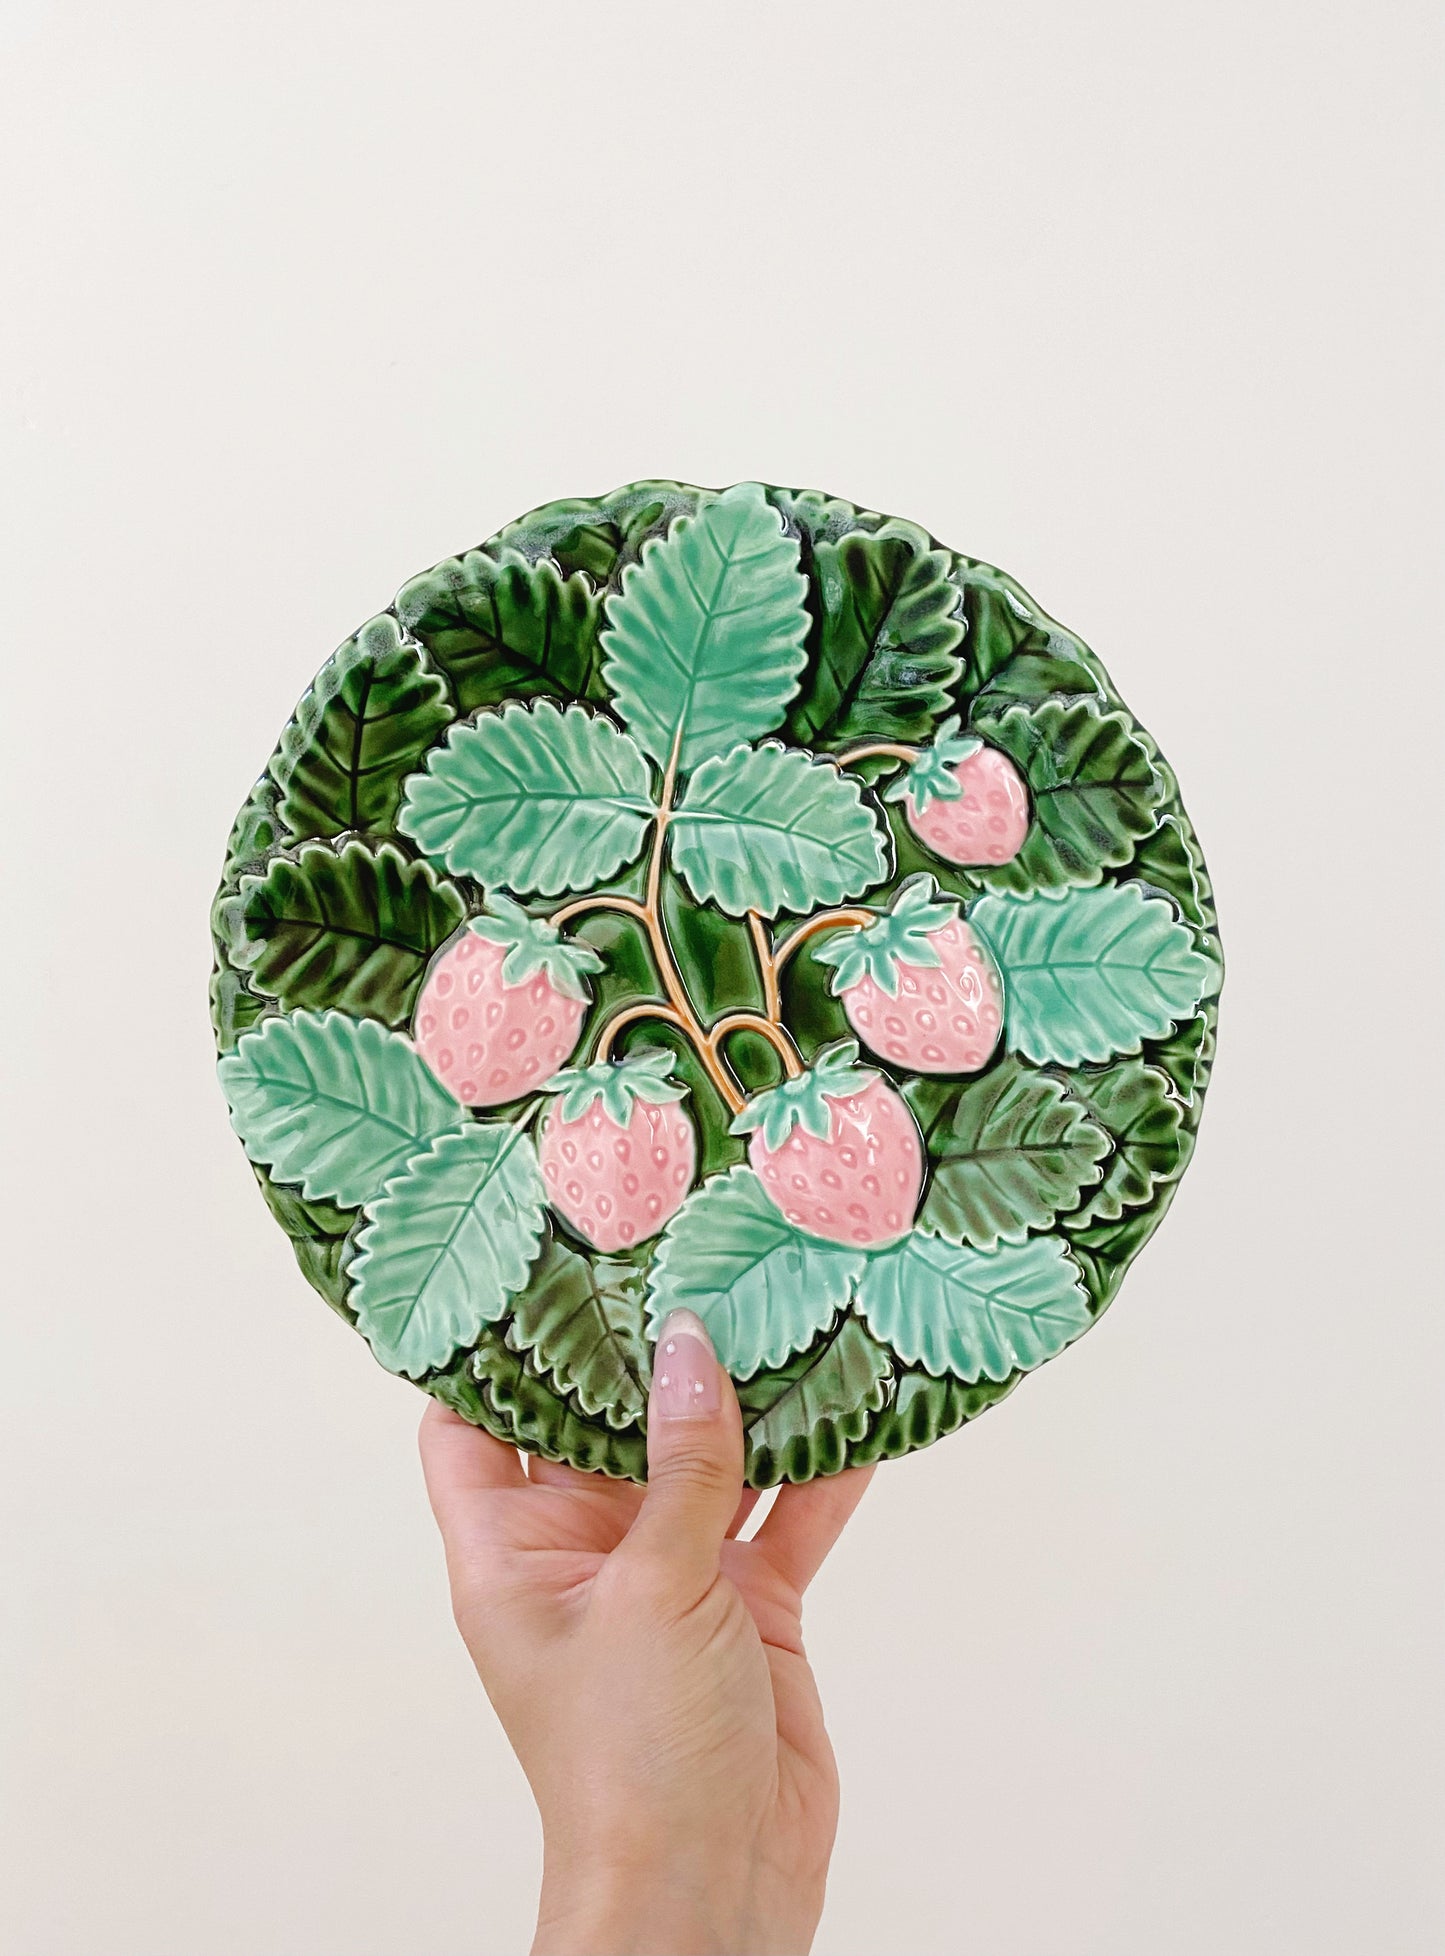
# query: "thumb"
694,1462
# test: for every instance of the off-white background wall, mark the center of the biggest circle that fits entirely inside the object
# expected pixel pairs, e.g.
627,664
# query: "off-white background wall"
1136,300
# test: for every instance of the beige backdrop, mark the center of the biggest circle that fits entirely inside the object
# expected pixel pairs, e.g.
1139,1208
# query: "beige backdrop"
1132,299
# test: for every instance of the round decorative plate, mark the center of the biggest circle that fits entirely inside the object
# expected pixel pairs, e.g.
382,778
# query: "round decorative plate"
734,900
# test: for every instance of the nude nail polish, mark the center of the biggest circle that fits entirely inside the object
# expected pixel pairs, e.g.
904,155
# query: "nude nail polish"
686,1383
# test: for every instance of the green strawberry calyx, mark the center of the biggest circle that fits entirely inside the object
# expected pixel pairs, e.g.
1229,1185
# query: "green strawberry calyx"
534,945
902,935
804,1102
930,777
618,1084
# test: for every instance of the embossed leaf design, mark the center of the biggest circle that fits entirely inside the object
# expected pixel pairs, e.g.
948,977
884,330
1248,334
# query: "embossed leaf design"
582,1321
532,798
924,1409
1163,859
1104,1251
975,1313
333,1104
318,1233
799,1420
886,659
520,1407
503,628
1011,1150
1151,1142
704,642
446,1244
370,715
1092,974
761,1287
767,829
1094,791
1059,671
1184,1055
351,927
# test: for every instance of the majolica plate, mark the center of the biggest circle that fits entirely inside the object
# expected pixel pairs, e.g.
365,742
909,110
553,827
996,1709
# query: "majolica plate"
735,900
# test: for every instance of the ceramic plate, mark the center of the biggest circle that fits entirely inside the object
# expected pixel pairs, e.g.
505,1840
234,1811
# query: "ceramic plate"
734,900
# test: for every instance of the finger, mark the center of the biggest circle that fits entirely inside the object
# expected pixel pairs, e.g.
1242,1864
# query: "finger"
462,1465
739,1522
625,1495
806,1521
694,1463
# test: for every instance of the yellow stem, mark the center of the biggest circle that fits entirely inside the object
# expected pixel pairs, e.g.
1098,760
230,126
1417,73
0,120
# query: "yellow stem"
762,944
646,1009
877,750
629,906
767,1029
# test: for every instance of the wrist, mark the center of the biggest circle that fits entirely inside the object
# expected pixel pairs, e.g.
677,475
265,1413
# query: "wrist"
657,1901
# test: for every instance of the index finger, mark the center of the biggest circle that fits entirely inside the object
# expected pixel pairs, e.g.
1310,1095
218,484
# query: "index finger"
463,1465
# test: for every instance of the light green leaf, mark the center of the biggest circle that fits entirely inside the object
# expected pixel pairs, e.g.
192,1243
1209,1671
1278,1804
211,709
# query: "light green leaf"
352,927
1091,974
1011,1150
891,626
533,799
1093,788
335,1104
1151,1143
798,1421
446,1244
581,1319
372,712
704,642
503,628
768,829
975,1313
761,1287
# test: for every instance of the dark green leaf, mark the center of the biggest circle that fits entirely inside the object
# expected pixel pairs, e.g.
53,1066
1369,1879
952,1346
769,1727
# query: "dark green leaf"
318,1233
888,636
923,1409
1093,788
1104,1251
799,1420
1151,1144
581,1320
256,833
372,712
503,628
1012,1149
523,1408
1163,859
352,927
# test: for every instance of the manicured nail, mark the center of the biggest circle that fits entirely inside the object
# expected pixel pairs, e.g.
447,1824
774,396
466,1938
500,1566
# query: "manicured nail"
685,1378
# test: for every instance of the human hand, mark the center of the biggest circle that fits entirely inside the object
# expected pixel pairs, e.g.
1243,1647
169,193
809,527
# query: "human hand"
649,1671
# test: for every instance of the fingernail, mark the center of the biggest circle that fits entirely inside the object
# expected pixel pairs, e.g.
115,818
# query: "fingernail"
685,1379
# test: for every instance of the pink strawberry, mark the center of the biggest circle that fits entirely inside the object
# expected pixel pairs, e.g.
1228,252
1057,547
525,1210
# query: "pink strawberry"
502,1006
918,987
967,802
837,1151
618,1155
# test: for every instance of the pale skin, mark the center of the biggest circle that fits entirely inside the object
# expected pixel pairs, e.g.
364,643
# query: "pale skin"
649,1671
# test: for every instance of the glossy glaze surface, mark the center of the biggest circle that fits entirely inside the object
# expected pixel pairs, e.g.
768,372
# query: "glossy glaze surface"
621,835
